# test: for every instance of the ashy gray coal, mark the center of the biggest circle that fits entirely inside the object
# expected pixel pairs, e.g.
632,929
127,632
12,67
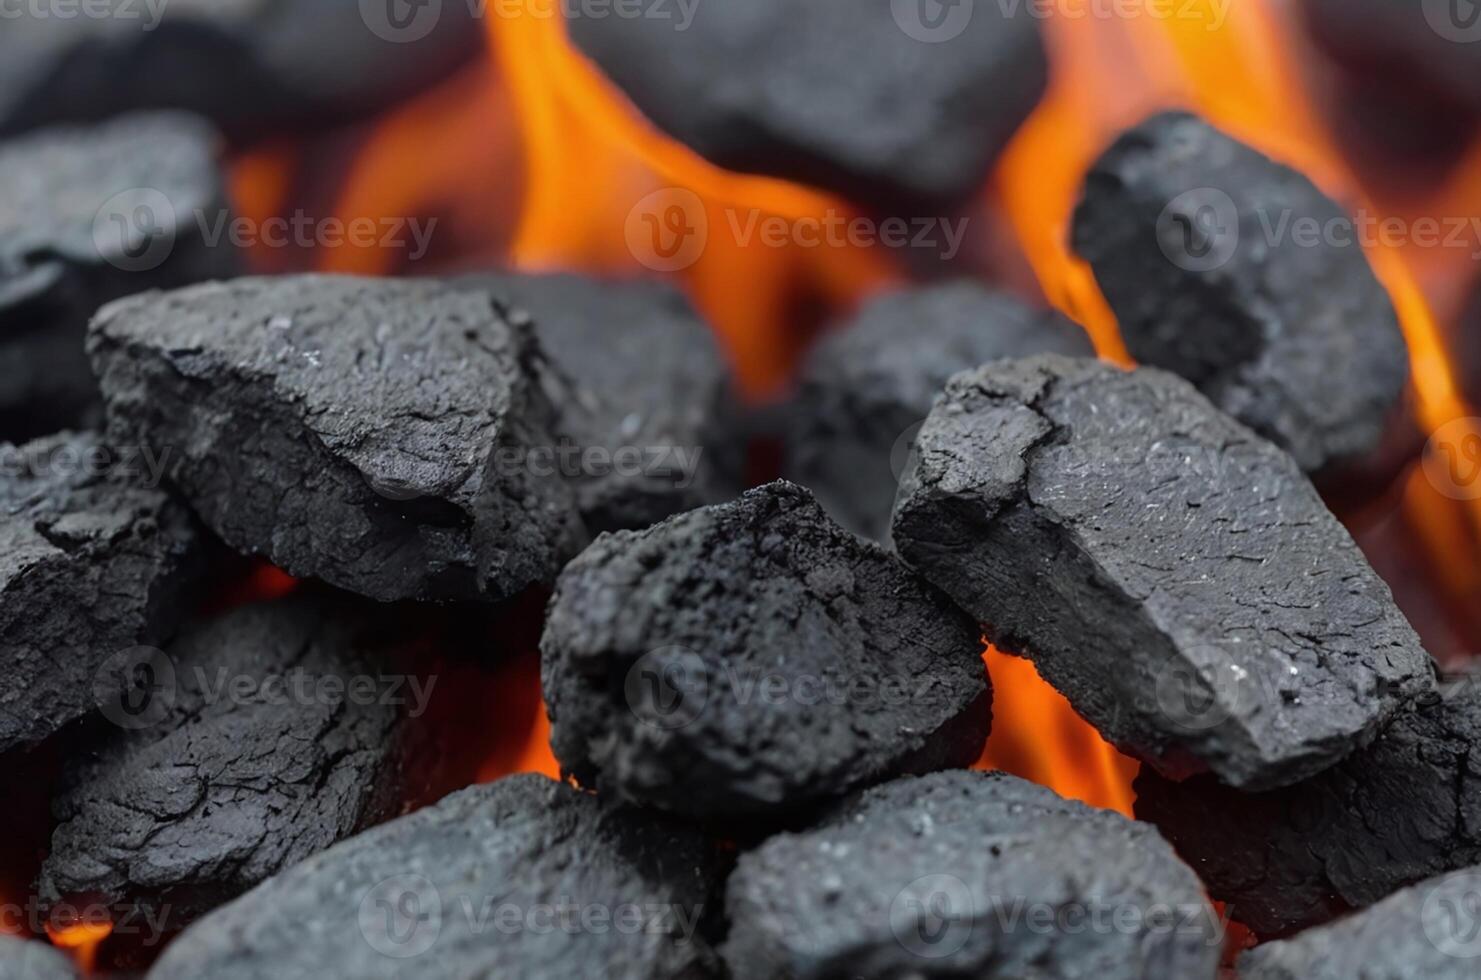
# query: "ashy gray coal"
34,959
775,87
1174,575
269,734
1427,932
1220,266
88,215
868,385
487,883
94,560
968,874
752,658
649,424
377,434
252,66
1405,808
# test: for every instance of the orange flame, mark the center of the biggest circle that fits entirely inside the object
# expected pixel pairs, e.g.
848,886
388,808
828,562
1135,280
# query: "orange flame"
81,940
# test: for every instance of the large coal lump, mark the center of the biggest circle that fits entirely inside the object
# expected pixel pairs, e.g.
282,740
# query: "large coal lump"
34,959
1170,572
95,559
524,877
754,657
1237,273
866,387
884,101
88,215
276,730
376,434
968,874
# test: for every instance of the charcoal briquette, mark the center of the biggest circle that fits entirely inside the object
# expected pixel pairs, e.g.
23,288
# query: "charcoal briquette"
1174,575
754,658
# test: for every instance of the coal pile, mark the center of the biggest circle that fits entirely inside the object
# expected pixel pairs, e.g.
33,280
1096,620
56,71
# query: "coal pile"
1194,240
485,883
648,423
88,215
276,731
752,658
94,560
865,388
1172,574
968,874
1427,932
1403,809
775,88
377,434
250,65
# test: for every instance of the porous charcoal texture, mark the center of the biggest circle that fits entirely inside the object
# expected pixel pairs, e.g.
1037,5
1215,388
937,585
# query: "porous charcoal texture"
94,560
275,731
1219,265
649,427
1171,573
1427,932
253,66
752,658
968,874
524,877
1405,808
866,388
779,88
375,434
88,215
33,959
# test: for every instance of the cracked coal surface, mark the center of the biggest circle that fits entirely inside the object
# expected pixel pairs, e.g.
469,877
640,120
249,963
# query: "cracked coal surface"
92,563
960,874
1403,809
867,384
280,729
1194,239
376,434
647,386
753,658
775,87
89,214
1175,576
479,885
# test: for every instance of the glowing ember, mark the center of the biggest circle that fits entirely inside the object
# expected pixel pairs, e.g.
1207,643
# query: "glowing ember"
81,940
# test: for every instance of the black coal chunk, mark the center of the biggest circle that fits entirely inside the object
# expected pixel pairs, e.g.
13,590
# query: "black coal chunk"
1403,809
87,216
264,737
252,66
94,560
1221,267
778,88
523,877
1427,932
1171,573
376,434
865,389
961,874
752,658
649,427
33,959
